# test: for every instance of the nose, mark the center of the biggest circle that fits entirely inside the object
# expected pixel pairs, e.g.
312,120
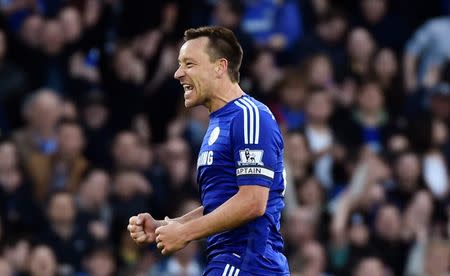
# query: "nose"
179,73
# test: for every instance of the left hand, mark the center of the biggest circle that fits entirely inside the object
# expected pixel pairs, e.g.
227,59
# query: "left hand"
171,237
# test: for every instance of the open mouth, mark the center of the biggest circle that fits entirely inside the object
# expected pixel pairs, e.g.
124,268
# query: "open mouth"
187,87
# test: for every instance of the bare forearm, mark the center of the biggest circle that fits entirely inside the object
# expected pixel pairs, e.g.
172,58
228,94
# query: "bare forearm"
409,71
196,213
233,213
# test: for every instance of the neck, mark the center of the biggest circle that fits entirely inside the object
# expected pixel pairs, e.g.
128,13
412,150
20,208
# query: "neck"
318,124
224,94
43,133
371,117
64,230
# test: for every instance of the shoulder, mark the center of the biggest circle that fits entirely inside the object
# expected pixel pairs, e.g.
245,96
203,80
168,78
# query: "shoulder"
253,121
435,23
248,106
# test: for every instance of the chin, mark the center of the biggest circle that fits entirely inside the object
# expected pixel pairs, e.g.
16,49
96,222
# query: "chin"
189,103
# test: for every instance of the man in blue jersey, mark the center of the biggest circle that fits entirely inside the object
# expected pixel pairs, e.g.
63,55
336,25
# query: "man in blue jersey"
240,167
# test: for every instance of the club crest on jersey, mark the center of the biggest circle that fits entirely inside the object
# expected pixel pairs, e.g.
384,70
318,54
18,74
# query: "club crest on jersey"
214,135
250,157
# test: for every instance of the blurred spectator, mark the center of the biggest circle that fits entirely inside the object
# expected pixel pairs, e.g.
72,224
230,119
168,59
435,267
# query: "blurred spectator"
64,234
17,208
265,74
429,257
319,135
387,73
183,262
95,117
26,46
176,158
303,223
360,50
387,239
370,266
319,71
289,111
99,262
13,84
93,206
5,268
131,193
328,37
228,14
63,169
125,150
125,87
55,65
42,111
426,51
388,29
407,179
311,260
276,25
70,19
369,124
17,253
43,262
298,156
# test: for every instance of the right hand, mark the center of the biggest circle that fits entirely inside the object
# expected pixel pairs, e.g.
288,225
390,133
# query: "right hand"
142,228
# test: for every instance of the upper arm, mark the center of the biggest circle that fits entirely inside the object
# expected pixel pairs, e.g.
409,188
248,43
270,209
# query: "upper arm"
255,194
420,39
256,145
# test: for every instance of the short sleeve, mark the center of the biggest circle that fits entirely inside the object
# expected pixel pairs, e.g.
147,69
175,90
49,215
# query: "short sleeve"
420,39
255,144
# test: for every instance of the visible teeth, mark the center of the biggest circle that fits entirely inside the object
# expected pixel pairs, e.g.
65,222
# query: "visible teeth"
187,86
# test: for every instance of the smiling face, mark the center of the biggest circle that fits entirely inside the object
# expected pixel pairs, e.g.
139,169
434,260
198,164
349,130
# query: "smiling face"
196,72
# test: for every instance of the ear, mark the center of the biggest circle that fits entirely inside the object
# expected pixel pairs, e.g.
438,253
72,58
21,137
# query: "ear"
221,67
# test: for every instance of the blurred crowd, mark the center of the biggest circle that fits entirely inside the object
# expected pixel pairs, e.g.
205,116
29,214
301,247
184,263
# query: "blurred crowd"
93,130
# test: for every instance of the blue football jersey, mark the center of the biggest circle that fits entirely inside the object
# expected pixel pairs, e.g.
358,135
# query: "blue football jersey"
243,146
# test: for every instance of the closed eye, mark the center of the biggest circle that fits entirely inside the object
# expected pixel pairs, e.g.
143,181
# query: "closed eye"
189,65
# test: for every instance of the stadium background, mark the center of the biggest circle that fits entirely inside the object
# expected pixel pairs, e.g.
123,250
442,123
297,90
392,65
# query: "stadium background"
93,131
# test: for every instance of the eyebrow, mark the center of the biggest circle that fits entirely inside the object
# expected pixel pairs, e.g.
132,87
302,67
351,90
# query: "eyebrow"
186,59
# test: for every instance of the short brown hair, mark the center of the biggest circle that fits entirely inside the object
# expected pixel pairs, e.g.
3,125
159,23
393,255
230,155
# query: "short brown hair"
222,44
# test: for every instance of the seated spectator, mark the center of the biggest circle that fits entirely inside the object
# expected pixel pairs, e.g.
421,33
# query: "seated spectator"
17,253
360,50
64,234
387,74
13,85
131,193
61,171
265,74
370,266
185,261
17,207
407,179
93,206
327,37
43,262
368,125
5,268
388,29
387,239
100,261
289,110
319,135
42,111
311,260
298,156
